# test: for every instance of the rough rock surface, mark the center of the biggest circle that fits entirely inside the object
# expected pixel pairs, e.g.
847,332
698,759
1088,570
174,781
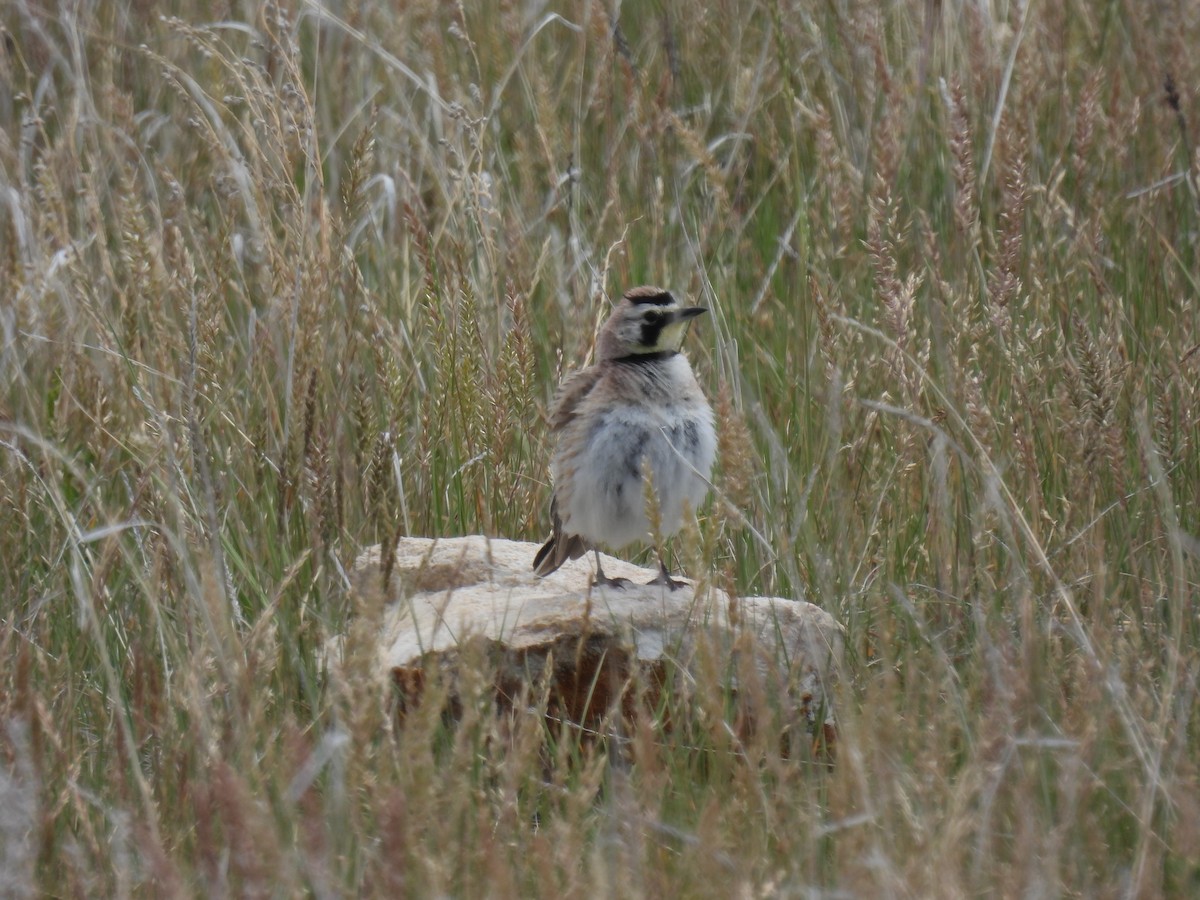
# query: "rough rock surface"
445,595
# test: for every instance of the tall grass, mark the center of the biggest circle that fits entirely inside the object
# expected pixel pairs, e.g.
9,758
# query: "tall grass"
281,281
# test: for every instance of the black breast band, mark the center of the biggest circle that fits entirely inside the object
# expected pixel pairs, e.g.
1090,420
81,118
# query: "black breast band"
641,359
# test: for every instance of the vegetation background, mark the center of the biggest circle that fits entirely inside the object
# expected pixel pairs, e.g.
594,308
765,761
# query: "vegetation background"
281,281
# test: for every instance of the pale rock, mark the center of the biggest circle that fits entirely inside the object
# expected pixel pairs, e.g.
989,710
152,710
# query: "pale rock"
444,593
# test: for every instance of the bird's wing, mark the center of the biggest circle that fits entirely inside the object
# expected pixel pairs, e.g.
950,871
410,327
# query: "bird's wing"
561,547
571,393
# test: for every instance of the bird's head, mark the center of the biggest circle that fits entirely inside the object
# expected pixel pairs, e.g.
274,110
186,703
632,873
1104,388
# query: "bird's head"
647,320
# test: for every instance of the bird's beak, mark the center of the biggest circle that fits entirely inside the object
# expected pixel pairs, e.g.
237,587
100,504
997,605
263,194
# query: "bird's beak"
689,312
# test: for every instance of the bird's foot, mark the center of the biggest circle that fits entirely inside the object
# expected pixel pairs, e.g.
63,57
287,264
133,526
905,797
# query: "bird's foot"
664,578
603,580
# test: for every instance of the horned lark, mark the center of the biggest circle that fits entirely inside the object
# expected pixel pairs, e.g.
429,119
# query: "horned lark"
638,407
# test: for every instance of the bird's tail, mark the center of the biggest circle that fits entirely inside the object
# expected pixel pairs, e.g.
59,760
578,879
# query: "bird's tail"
558,549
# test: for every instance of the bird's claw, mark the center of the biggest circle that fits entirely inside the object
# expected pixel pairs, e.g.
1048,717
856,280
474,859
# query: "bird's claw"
666,580
618,583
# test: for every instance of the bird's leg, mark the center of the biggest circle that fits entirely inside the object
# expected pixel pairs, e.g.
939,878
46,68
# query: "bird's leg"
664,577
604,581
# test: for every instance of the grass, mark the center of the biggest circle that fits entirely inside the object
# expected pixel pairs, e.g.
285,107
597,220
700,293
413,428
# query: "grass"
278,283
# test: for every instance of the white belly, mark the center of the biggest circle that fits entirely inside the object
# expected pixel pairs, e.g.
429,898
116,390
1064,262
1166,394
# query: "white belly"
606,503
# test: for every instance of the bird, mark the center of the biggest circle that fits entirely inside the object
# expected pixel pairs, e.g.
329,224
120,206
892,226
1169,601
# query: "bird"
637,408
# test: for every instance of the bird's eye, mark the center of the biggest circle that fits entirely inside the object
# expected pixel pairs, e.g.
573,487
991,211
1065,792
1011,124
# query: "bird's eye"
653,316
